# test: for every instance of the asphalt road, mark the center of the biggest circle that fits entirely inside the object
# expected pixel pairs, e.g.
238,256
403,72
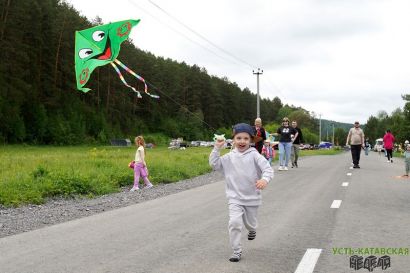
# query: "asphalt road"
187,232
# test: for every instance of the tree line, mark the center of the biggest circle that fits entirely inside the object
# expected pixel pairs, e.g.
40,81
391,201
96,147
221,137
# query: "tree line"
398,122
39,103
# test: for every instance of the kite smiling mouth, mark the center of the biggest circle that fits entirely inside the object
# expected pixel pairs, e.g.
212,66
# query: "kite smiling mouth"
107,51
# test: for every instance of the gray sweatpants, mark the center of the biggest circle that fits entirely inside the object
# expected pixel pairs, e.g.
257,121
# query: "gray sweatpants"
238,217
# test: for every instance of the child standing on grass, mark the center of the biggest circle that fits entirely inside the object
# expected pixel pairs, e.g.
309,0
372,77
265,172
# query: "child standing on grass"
407,158
246,174
140,166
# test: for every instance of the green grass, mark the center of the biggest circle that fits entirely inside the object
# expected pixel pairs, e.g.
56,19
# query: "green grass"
31,174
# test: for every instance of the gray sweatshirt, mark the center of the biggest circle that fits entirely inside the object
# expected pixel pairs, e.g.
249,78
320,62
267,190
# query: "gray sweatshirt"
241,171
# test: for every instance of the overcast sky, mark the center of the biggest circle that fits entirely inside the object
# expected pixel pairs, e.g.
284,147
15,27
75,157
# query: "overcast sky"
343,59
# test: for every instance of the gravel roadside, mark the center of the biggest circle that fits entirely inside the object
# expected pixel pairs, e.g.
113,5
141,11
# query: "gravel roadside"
30,217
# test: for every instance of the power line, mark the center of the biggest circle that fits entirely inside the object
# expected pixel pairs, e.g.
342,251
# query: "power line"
233,59
180,33
202,36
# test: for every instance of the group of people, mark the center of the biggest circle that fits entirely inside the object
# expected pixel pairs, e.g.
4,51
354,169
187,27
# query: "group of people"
357,142
290,138
247,170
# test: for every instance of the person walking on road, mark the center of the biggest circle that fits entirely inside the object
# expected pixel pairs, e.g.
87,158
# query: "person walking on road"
260,132
296,144
356,139
246,173
366,146
388,141
268,152
287,134
406,158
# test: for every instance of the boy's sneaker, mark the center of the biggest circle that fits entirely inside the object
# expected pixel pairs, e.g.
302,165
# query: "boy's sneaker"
148,186
134,189
280,168
251,235
235,257
391,161
285,168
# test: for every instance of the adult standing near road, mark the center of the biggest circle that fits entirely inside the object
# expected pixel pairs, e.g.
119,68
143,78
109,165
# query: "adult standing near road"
297,139
356,139
285,143
388,141
260,135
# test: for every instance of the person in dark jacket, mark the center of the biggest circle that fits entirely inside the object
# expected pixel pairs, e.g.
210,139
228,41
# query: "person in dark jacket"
297,140
260,135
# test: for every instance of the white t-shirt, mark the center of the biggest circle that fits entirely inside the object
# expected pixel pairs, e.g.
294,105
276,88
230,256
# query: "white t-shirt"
140,151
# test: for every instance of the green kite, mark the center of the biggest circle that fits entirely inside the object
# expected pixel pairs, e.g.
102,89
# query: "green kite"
100,45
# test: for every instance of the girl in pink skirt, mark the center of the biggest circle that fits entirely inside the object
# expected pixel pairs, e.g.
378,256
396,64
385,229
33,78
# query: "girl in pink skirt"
140,166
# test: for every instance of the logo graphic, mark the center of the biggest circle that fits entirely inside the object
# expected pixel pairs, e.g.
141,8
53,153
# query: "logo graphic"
370,263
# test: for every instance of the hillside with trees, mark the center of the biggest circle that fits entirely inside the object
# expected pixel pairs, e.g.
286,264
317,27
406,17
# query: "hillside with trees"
39,102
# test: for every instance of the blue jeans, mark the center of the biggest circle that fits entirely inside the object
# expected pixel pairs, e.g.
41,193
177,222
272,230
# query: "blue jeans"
284,153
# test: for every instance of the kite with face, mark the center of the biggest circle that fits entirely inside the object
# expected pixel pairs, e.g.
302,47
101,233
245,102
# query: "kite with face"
100,45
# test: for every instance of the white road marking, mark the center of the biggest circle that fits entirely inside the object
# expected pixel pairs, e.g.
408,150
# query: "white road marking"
309,260
336,204
349,174
345,184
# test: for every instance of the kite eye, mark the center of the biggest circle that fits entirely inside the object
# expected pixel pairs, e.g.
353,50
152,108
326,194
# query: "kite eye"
98,35
85,52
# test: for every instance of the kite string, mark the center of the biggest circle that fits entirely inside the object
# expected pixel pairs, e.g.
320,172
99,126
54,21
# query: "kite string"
123,80
153,86
135,75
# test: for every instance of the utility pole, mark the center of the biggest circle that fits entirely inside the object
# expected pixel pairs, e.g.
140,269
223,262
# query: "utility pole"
257,73
320,128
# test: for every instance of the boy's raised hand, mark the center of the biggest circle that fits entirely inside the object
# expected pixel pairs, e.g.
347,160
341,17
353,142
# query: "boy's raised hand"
261,184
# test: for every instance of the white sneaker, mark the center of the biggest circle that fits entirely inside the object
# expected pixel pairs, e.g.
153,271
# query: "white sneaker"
388,161
134,189
280,168
148,186
285,168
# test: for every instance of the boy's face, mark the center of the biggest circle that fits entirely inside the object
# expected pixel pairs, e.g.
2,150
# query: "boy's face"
242,141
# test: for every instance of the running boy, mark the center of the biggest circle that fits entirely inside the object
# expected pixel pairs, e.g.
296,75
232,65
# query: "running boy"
246,174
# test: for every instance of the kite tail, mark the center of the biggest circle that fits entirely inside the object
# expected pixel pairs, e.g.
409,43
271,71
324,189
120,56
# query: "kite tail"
135,75
123,80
